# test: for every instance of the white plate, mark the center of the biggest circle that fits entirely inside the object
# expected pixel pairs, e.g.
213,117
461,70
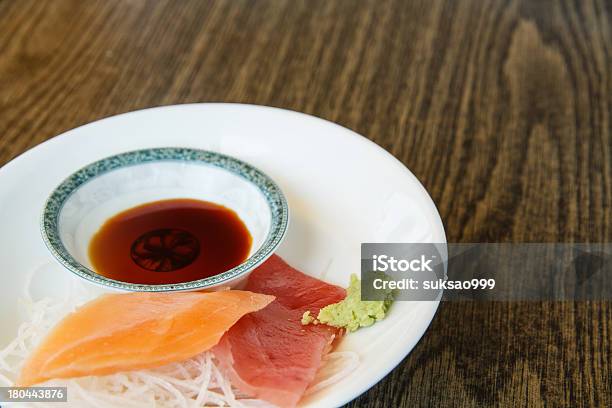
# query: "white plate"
342,190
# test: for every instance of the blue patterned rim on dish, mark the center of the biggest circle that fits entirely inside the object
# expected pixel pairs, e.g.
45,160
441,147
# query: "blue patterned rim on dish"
279,212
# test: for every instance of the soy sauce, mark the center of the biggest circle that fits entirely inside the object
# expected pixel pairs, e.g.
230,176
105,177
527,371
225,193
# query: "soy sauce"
170,241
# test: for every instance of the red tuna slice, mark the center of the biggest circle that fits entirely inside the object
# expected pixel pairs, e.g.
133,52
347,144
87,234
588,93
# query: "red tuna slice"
269,354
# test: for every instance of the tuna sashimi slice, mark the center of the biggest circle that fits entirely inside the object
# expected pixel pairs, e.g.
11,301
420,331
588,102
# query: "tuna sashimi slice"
269,354
132,331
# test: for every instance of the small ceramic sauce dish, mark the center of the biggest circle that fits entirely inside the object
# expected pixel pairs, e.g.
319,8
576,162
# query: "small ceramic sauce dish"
84,202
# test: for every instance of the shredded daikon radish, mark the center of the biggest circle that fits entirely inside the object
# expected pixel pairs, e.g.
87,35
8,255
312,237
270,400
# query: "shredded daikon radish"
197,382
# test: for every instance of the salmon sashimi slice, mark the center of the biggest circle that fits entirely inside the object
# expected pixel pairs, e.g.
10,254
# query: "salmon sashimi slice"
131,331
269,354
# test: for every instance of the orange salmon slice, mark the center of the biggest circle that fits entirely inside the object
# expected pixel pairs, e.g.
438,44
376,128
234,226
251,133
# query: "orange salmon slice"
132,331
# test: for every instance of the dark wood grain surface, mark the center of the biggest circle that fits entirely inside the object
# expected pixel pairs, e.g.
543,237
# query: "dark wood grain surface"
501,108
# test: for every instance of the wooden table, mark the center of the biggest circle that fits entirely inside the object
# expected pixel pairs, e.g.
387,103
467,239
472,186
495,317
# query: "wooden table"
501,108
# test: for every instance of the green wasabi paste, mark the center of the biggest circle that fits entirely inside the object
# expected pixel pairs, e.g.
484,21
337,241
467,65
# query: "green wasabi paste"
352,312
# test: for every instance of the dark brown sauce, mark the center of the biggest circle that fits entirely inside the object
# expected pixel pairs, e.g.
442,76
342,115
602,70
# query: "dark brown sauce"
170,241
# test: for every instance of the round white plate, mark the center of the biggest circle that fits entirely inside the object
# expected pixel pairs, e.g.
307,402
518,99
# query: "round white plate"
342,190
